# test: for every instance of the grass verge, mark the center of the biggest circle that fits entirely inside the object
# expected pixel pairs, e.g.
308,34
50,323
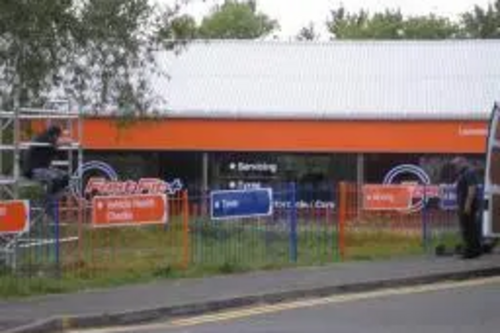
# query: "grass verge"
115,257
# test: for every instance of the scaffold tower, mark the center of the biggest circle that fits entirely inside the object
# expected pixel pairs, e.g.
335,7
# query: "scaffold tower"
17,128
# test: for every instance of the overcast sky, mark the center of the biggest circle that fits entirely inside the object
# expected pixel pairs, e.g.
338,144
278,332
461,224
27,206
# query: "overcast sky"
294,14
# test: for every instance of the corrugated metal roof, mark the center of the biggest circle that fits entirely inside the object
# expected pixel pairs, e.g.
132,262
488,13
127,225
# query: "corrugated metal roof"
340,79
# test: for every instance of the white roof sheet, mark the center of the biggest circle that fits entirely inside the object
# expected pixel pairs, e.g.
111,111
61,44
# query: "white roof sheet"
333,80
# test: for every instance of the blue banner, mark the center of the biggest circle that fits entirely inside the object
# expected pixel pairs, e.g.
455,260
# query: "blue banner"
231,204
448,197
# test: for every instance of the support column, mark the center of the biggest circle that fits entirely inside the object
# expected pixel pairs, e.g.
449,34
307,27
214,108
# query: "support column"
1,143
204,172
17,152
360,169
205,183
2,153
360,179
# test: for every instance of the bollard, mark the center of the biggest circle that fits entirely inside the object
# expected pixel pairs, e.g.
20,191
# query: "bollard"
293,223
425,221
342,215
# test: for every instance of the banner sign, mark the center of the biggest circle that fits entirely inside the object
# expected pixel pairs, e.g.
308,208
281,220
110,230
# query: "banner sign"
431,191
14,216
387,197
231,204
129,210
448,197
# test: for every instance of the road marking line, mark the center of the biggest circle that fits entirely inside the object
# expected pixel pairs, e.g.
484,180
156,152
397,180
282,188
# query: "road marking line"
122,329
267,309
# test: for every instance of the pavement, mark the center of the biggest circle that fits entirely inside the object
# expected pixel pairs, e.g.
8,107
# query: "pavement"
163,300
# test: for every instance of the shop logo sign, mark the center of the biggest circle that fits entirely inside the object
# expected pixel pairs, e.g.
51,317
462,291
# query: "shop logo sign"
130,187
419,198
109,184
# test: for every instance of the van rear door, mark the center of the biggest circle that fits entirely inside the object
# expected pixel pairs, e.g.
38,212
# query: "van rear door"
491,214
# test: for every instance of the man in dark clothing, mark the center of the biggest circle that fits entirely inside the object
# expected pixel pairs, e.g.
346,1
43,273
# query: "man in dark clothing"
468,207
36,162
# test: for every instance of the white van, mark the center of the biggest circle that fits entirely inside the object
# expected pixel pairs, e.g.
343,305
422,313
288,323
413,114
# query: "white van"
491,213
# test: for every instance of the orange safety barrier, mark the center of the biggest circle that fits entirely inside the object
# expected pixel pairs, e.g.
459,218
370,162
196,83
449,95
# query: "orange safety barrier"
391,221
129,249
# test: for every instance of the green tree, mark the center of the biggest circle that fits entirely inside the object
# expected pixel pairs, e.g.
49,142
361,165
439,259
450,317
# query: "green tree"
96,52
430,27
236,20
482,23
389,24
182,28
114,54
34,38
307,33
345,25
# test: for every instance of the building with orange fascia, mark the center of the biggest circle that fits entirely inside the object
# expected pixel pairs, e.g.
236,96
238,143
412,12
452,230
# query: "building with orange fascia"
253,113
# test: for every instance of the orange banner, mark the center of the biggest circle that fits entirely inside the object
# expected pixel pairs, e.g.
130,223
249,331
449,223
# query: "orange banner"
288,135
386,197
108,211
14,217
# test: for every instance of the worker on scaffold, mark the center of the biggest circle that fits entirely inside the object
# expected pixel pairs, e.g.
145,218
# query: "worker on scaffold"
36,163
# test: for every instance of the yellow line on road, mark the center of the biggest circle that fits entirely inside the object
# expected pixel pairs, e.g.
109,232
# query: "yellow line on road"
267,309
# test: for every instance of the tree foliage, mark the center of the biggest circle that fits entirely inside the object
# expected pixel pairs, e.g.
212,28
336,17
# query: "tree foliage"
34,37
479,23
483,22
96,52
114,54
236,20
430,27
307,33
389,24
183,27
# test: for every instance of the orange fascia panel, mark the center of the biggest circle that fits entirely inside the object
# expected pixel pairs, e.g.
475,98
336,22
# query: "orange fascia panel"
287,135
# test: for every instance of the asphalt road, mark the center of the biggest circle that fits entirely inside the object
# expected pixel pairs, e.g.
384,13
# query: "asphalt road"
464,307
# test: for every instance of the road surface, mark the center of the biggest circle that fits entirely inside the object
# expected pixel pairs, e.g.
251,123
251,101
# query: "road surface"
460,307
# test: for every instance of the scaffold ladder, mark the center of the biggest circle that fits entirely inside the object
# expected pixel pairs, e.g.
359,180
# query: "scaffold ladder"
12,143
